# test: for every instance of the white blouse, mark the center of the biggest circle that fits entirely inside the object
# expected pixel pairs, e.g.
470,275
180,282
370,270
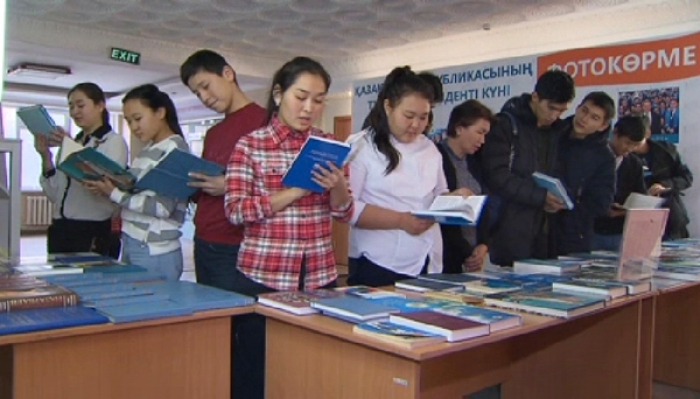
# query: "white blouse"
413,185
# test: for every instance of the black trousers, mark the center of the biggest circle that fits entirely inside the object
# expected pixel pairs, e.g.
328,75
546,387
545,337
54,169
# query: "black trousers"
248,341
69,235
365,272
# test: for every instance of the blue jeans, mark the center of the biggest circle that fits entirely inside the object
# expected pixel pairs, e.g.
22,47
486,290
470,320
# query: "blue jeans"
168,264
607,242
215,264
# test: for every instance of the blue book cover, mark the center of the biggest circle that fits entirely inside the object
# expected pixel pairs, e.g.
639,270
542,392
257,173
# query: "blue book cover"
86,163
106,292
316,150
79,258
409,305
78,279
98,288
171,175
450,278
37,120
353,308
144,311
22,321
200,297
115,269
554,186
129,300
421,285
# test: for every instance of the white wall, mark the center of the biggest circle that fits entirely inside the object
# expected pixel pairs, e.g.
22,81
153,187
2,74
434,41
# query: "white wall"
336,105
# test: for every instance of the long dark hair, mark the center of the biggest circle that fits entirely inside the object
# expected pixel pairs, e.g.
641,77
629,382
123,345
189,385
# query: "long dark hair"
288,74
94,93
153,98
401,82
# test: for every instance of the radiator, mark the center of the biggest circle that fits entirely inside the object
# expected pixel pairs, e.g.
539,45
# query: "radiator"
39,211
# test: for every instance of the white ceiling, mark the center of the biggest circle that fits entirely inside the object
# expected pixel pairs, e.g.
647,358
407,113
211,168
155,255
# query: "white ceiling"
256,36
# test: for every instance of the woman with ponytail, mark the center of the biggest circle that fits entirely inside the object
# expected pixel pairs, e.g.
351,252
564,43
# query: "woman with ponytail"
81,220
151,222
396,170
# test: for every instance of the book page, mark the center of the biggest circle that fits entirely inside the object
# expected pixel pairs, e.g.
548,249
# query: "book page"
640,201
68,147
450,203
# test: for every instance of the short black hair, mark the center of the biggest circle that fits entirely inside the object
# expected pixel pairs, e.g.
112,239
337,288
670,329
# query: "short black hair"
202,60
602,100
631,126
434,82
556,86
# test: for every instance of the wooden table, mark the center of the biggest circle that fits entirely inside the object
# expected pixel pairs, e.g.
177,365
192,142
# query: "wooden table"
605,354
178,357
677,336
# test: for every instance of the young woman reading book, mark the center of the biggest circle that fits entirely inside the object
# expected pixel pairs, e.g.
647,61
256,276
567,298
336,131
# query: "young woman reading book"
81,220
286,230
396,170
151,222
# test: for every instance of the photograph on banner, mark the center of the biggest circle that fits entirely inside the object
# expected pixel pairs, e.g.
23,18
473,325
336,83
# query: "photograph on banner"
660,107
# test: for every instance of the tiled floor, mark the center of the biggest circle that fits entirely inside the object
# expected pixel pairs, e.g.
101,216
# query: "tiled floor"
36,246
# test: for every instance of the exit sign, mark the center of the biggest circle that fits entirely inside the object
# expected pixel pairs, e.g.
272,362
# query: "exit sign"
128,56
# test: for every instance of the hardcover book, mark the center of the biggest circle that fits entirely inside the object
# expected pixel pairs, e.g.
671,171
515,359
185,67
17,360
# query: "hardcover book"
86,163
554,186
39,296
641,201
405,337
454,210
496,320
351,308
144,311
170,176
551,266
48,319
366,292
296,302
451,327
199,297
48,269
591,287
421,285
37,120
315,151
546,302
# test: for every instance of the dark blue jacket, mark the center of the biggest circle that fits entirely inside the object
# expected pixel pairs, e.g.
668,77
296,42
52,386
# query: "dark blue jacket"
587,169
521,228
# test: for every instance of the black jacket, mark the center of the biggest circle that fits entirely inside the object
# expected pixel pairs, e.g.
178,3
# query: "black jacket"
667,169
630,179
587,169
455,248
521,229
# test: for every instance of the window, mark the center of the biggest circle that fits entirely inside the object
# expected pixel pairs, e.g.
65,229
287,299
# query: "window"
13,128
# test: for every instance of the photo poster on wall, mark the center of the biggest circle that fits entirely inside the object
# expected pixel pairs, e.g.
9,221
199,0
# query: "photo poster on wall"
657,78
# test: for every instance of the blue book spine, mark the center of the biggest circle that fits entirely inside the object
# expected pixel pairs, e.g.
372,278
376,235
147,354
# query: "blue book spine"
22,321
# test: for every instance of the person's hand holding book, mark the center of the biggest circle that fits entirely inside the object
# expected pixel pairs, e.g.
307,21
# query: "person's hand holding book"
56,137
212,185
103,187
414,225
553,204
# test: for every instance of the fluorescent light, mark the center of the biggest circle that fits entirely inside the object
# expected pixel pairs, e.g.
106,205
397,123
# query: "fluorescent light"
31,70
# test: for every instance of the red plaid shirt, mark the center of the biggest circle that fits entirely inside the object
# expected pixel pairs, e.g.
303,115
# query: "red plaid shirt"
275,243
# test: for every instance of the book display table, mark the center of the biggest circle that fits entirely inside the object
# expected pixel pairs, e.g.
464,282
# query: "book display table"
604,354
677,336
185,357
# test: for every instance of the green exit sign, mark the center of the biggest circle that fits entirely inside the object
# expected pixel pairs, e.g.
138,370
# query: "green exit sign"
128,56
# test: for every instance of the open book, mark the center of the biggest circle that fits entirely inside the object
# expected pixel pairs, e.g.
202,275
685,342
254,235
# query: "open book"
641,201
37,120
169,177
86,163
554,186
316,150
454,210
